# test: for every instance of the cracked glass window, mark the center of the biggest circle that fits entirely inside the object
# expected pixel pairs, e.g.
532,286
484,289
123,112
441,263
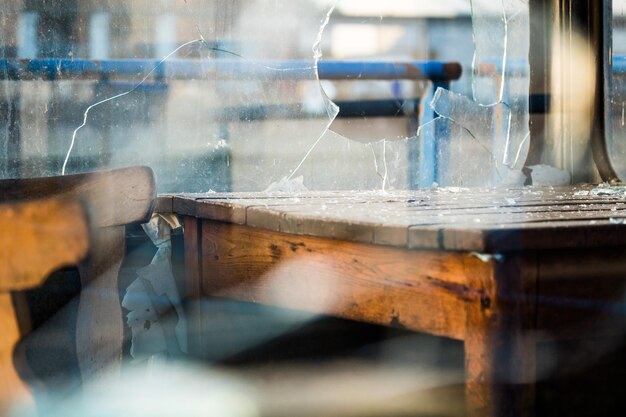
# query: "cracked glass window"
482,136
267,94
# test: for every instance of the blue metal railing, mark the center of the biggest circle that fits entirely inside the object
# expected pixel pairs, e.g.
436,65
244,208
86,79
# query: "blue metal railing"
521,67
423,163
56,68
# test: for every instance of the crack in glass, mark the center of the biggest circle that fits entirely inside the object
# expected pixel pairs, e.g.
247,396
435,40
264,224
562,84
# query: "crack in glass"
241,105
493,134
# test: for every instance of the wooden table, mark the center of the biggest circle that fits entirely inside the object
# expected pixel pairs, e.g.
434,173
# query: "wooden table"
498,269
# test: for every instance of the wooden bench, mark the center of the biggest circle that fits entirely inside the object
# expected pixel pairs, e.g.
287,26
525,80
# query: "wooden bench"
36,238
498,269
112,199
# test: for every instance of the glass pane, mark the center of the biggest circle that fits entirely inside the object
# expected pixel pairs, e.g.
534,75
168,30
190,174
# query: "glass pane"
491,131
228,95
184,89
316,95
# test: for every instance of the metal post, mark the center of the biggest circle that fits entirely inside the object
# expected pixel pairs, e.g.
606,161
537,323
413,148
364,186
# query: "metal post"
556,137
601,13
424,164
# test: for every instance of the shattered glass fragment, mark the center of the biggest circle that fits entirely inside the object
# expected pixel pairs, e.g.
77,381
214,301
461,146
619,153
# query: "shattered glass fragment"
497,115
547,175
488,134
286,185
473,141
610,190
156,316
486,258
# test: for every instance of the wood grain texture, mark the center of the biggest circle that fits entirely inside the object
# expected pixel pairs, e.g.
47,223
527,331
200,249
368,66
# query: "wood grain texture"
193,269
38,237
193,283
500,339
421,260
116,197
164,204
424,291
481,220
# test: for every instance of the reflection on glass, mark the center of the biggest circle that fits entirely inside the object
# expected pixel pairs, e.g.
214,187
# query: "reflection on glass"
227,95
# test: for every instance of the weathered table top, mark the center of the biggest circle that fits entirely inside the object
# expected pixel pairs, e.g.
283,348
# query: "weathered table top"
482,220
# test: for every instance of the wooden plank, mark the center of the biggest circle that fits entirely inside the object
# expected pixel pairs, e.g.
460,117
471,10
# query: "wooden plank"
482,220
475,197
446,196
391,235
396,214
116,197
221,211
164,204
533,236
321,226
38,237
184,204
471,204
510,232
424,291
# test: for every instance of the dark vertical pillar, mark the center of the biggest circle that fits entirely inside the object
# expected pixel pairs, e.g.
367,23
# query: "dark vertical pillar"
552,131
541,22
600,13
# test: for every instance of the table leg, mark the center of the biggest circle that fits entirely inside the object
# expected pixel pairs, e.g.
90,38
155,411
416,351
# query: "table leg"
499,369
193,284
100,326
499,342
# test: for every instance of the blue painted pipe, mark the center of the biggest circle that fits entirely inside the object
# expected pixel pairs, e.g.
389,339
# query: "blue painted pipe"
62,68
619,64
410,70
347,110
520,66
